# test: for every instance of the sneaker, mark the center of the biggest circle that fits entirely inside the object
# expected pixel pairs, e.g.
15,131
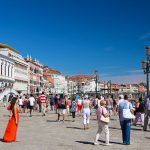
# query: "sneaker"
96,143
108,144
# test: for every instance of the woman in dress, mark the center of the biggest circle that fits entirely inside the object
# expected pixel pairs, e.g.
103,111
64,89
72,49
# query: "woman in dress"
11,130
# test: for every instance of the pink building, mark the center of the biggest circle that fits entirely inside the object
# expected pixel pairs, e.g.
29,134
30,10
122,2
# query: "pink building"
35,76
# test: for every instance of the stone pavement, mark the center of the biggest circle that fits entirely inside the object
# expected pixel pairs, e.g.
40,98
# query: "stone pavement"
44,133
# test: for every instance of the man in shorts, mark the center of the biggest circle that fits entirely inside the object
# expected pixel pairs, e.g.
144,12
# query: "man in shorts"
31,104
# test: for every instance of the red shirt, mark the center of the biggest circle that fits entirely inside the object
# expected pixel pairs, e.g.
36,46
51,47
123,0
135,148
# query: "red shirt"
43,99
68,102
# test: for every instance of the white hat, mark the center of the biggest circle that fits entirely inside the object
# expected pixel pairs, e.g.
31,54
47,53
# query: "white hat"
86,96
121,96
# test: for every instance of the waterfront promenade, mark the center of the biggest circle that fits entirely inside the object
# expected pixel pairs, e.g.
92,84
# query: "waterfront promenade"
44,133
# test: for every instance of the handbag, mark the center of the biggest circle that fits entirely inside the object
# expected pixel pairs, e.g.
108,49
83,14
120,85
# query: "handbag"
104,119
127,113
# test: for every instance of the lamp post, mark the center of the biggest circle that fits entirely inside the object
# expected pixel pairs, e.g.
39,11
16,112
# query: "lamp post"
146,68
109,86
96,80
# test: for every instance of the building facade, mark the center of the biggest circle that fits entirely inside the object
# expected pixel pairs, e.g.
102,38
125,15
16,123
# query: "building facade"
81,84
35,76
6,75
57,81
20,73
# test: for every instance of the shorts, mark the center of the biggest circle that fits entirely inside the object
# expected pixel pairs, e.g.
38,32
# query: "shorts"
31,107
79,107
21,106
52,103
61,111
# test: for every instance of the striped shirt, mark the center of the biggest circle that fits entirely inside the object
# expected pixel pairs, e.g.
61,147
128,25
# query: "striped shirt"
43,98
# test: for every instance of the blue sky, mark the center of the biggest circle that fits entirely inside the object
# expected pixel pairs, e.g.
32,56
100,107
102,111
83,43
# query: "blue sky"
79,36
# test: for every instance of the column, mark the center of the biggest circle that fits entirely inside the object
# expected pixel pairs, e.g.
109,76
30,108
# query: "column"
3,68
6,69
12,71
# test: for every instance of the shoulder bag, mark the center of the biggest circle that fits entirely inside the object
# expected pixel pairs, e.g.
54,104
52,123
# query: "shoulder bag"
104,119
127,113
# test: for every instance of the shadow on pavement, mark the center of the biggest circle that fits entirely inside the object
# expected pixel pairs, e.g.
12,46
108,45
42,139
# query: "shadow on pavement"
1,140
114,128
111,142
51,121
85,142
147,137
75,128
135,129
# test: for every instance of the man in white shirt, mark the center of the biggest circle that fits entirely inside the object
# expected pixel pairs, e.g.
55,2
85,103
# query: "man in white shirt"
20,103
31,101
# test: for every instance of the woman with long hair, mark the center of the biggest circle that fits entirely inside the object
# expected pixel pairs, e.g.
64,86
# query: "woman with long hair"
11,130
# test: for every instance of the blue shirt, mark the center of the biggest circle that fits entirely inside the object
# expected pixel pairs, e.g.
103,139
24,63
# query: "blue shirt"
124,105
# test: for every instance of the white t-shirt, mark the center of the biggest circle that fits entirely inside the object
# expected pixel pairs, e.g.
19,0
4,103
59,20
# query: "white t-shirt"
79,101
20,101
31,100
86,103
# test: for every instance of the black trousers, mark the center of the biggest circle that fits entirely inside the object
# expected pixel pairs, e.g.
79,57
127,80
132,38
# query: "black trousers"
73,114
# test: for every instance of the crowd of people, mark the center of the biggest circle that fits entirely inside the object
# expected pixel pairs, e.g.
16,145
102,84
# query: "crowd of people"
129,111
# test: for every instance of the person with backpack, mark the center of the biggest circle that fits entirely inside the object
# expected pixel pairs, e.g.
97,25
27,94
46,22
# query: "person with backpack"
139,112
147,112
73,108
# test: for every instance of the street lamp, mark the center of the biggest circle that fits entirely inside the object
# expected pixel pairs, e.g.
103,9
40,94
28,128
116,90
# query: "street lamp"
146,68
96,81
109,86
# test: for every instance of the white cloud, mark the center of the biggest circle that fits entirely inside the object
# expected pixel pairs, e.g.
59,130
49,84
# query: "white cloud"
129,79
135,71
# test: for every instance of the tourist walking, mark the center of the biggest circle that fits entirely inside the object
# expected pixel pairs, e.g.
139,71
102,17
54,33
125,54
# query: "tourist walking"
31,103
43,100
86,112
109,103
61,108
139,112
102,112
73,108
52,102
4,100
124,122
147,112
79,104
25,104
11,130
20,103
68,104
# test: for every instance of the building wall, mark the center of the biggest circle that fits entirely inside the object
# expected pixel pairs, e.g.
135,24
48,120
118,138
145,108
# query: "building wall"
6,72
20,70
35,76
60,84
